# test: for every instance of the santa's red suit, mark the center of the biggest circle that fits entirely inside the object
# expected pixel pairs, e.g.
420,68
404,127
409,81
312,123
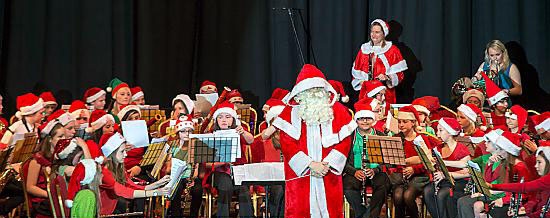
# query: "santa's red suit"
388,61
305,195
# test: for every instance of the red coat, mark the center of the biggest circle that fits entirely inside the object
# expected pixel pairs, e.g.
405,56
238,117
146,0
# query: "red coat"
388,61
307,196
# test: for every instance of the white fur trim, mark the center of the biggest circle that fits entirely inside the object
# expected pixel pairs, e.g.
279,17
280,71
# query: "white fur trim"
286,127
346,130
336,160
421,108
545,125
545,150
367,48
99,159
383,24
137,95
69,203
328,138
358,77
345,99
230,111
315,82
185,124
65,119
75,114
365,113
468,112
507,145
48,128
95,96
492,136
449,129
128,108
375,91
406,116
90,169
299,163
100,122
419,141
68,150
511,115
31,109
112,144
49,103
399,67
497,97
274,112
394,80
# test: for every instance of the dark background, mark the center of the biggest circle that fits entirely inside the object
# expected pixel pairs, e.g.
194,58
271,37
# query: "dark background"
170,46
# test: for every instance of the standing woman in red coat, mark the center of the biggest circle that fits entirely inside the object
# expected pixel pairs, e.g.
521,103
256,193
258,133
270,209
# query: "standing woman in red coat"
379,59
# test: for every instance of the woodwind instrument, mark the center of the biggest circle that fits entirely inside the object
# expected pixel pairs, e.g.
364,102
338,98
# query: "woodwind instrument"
208,118
364,163
515,204
123,215
545,208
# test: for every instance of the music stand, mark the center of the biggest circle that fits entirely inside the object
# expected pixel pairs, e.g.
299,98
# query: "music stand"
443,167
155,155
479,180
24,148
4,158
466,140
385,150
150,112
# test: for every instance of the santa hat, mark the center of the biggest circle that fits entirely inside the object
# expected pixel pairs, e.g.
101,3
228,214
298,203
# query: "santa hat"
426,104
98,119
275,107
110,142
59,116
226,107
308,78
363,109
408,113
136,93
93,94
127,108
83,174
95,151
63,148
494,94
279,93
493,135
48,98
472,112
473,93
545,149
451,125
234,95
28,104
385,26
542,122
187,102
518,113
208,84
371,88
77,107
185,122
337,85
115,85
509,142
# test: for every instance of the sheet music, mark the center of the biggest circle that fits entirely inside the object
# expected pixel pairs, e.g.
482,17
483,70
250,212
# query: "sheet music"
268,171
135,133
227,144
177,170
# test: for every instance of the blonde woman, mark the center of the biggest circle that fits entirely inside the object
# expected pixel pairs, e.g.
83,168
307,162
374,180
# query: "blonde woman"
497,62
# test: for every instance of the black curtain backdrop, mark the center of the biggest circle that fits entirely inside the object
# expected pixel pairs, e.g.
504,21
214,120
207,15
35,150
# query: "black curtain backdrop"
170,46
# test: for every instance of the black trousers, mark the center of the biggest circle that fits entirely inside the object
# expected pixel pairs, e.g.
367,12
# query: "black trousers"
276,201
380,187
224,184
11,196
446,204
195,193
466,209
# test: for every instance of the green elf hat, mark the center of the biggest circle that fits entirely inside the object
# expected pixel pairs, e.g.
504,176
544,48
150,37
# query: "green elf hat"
115,85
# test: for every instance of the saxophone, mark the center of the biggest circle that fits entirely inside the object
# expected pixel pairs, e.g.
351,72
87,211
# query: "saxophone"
7,176
187,191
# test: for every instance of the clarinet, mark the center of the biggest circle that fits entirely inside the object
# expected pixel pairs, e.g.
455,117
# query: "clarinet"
518,202
545,208
363,168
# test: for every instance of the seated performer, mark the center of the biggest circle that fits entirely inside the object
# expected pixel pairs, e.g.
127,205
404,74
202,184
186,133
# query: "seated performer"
277,94
447,196
226,118
80,113
424,114
497,64
95,98
138,97
380,60
501,167
116,182
475,97
356,174
534,206
30,114
120,94
208,87
405,194
50,104
498,101
83,189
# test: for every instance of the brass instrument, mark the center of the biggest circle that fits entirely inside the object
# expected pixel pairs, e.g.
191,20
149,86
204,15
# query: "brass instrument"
7,176
461,86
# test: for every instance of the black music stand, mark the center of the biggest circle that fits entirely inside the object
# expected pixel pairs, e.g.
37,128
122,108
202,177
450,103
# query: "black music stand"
479,180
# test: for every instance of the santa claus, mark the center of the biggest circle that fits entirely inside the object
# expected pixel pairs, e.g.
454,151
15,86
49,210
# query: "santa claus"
315,143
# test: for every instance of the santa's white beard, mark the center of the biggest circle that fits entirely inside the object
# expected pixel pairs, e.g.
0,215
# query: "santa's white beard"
314,106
